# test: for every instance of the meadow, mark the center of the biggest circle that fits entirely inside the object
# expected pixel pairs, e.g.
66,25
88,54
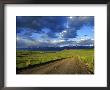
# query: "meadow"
26,58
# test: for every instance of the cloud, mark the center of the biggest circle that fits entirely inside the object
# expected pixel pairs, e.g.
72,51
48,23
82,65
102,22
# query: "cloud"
79,21
28,43
50,30
70,33
56,24
86,42
38,22
25,42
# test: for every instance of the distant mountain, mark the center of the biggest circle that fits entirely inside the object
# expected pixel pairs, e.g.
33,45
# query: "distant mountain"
56,48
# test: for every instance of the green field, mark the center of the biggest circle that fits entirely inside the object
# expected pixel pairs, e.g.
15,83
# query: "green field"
26,58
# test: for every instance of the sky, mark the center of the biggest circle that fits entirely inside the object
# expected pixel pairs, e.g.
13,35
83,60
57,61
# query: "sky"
54,31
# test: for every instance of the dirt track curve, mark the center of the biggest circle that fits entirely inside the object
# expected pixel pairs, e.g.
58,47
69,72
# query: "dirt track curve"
65,66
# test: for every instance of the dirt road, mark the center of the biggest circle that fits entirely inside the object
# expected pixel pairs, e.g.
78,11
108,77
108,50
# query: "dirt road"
65,66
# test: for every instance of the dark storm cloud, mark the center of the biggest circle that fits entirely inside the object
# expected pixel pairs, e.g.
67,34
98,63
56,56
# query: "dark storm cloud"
56,24
37,23
49,27
77,22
